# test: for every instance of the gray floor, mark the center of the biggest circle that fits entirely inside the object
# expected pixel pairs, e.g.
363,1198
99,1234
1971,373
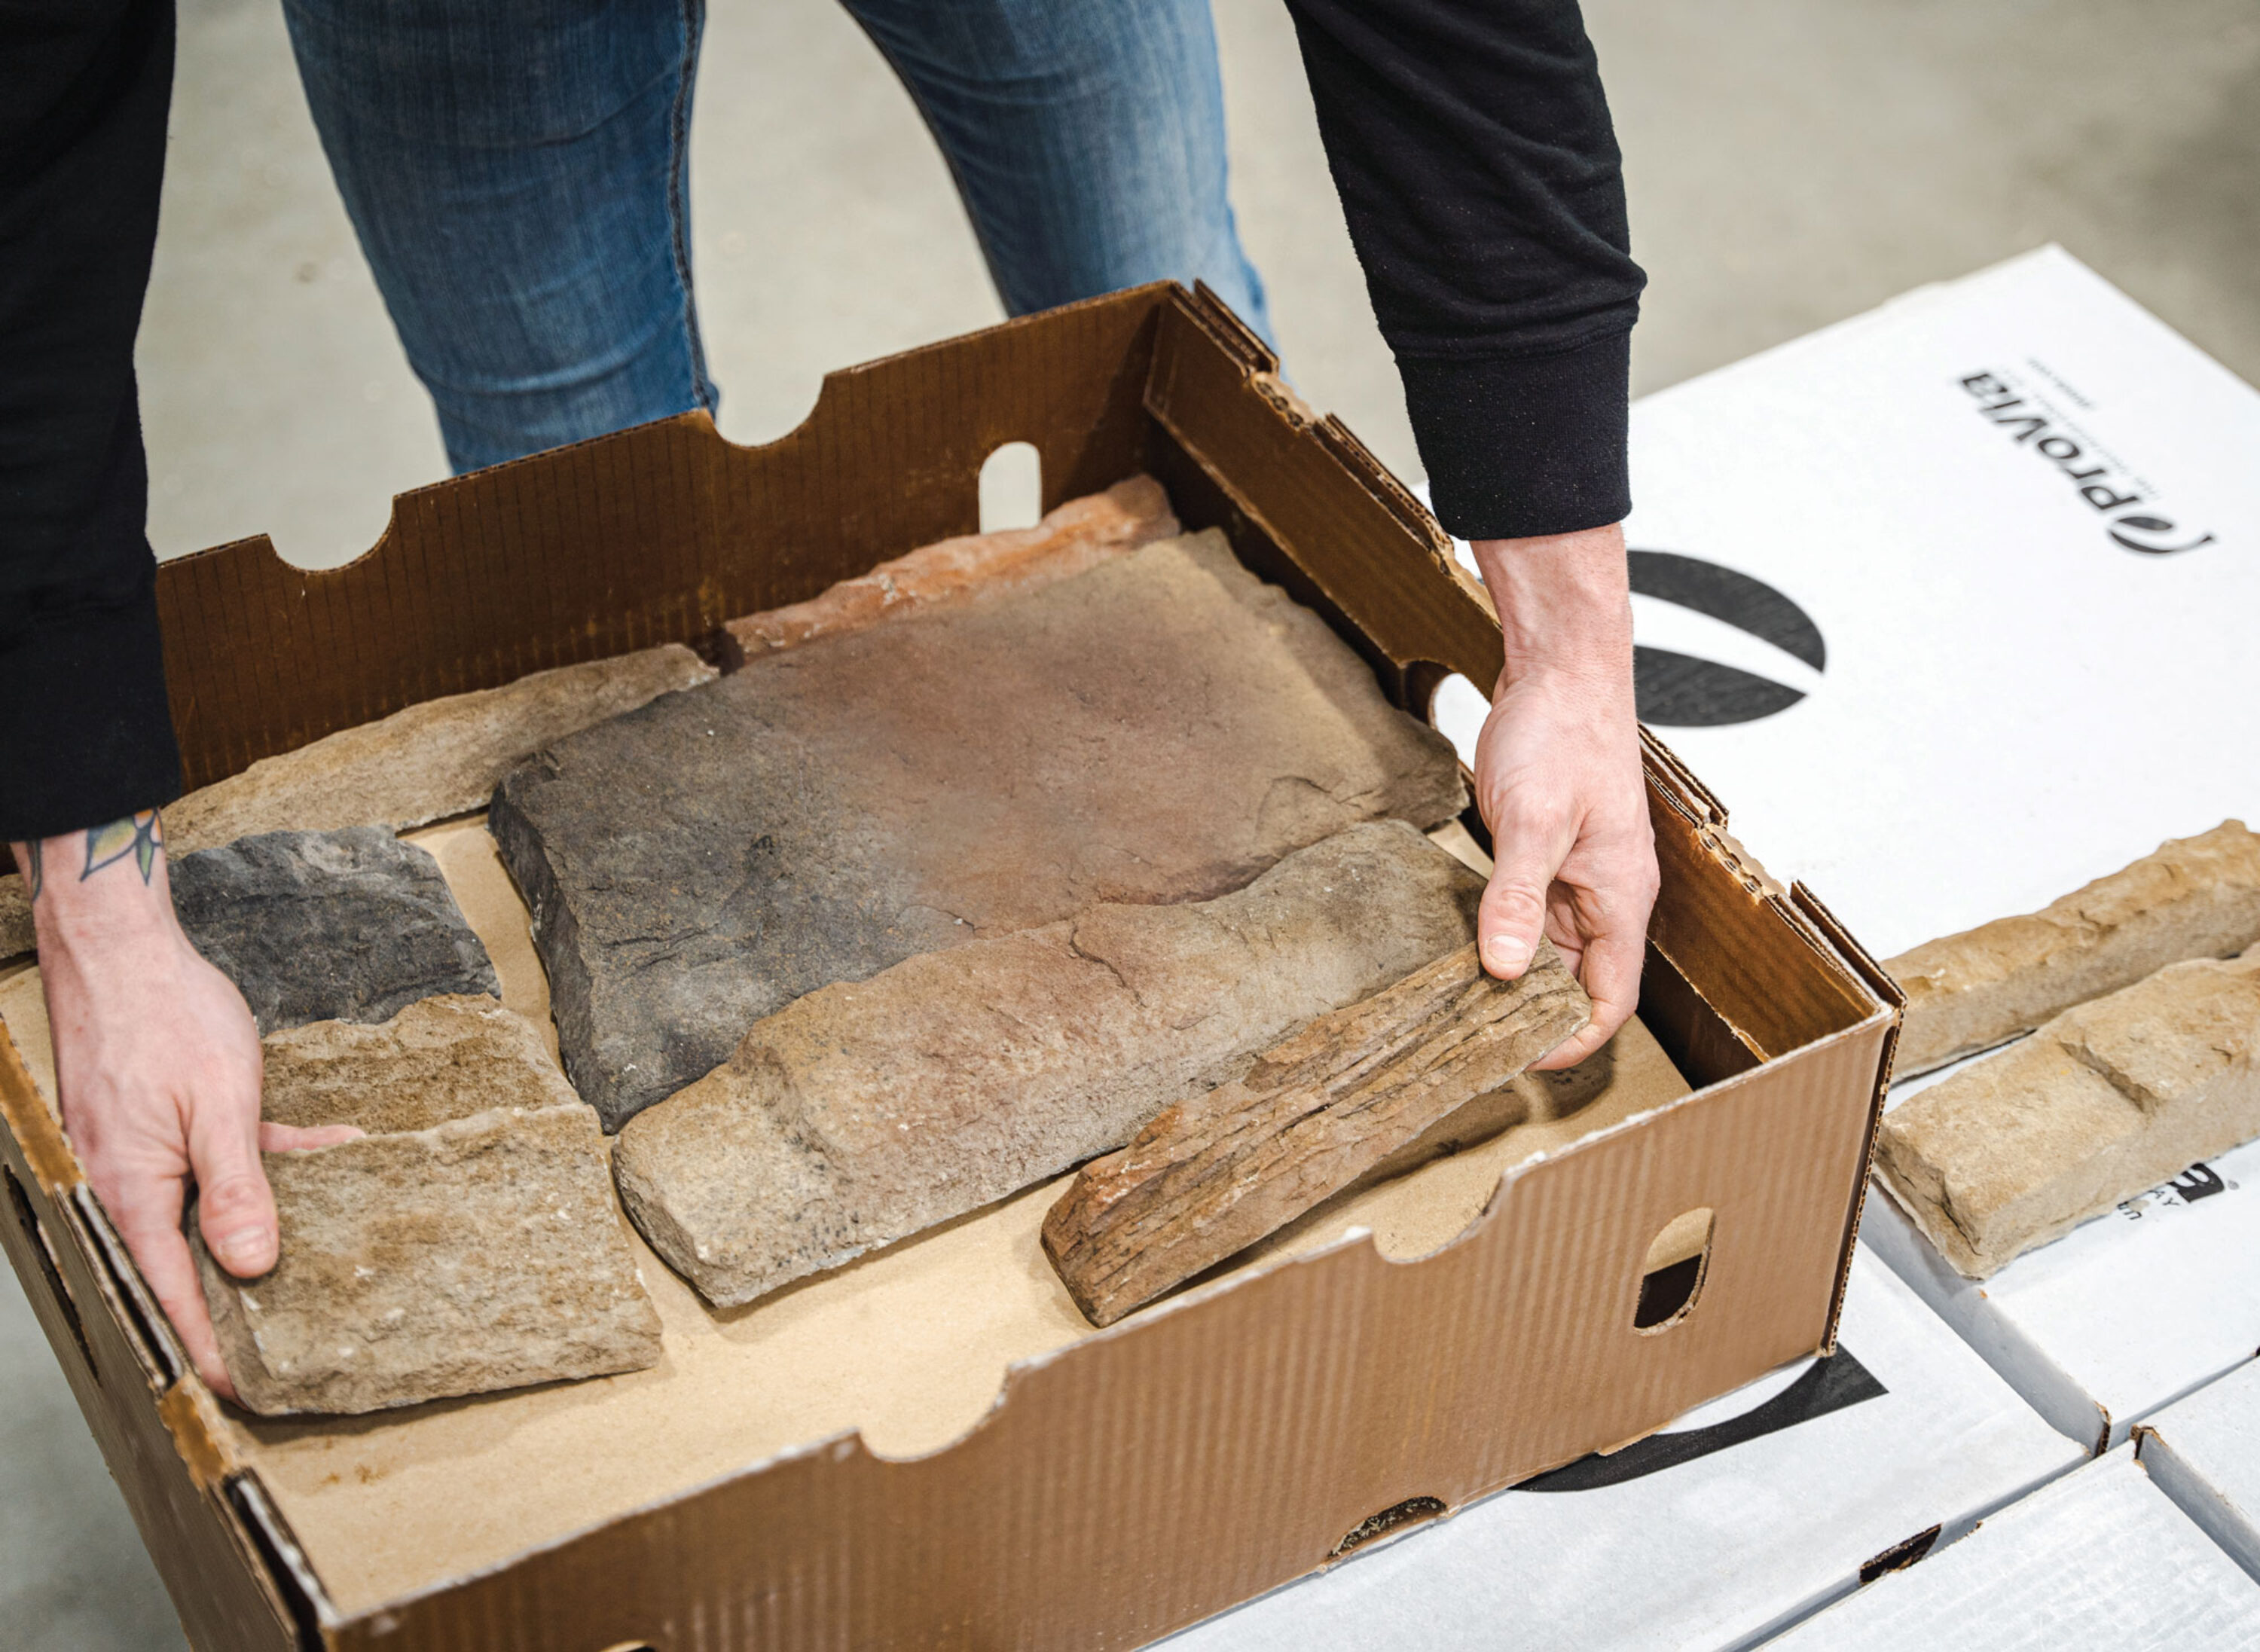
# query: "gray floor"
1790,165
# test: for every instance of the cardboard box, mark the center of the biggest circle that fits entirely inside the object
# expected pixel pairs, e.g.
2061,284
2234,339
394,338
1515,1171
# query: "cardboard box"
2100,1562
1913,625
2203,1452
1744,1515
910,1452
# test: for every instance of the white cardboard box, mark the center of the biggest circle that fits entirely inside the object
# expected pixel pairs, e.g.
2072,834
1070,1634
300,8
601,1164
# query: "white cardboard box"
1746,1515
2100,1562
2203,1452
1919,556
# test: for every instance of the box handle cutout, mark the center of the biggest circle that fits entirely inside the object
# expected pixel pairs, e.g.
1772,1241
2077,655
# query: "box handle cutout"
1456,709
1671,1275
1396,1517
50,1267
1011,488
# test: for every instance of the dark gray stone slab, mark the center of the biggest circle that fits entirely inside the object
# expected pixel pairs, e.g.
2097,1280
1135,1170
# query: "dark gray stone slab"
1163,728
348,925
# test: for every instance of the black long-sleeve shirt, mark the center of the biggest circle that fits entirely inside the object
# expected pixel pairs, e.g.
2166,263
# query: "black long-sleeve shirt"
1469,140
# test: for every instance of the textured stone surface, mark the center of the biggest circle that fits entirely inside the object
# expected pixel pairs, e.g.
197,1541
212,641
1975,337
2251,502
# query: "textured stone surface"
870,1110
1212,1174
2107,1099
2195,897
470,1242
349,925
439,758
1161,728
976,568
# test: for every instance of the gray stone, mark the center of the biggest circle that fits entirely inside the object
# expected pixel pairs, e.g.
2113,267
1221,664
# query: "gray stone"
471,1242
866,1110
1161,728
350,925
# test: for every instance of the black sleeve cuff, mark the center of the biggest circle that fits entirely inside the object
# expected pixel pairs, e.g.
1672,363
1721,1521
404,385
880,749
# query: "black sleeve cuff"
1518,447
86,731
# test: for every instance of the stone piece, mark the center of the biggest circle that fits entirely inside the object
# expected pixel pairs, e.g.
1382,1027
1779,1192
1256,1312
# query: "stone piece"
2107,1099
470,1242
1221,1170
432,760
439,1060
1161,728
2195,897
350,925
976,568
870,1110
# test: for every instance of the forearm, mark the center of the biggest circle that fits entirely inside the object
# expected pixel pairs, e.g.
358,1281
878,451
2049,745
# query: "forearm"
1564,604
85,735
1480,174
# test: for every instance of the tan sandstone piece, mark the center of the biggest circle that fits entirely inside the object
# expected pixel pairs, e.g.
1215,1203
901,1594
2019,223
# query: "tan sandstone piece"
1221,1170
468,1242
866,1110
976,568
435,758
2195,897
2107,1099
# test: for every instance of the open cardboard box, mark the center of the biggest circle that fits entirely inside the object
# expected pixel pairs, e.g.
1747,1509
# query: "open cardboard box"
1033,1482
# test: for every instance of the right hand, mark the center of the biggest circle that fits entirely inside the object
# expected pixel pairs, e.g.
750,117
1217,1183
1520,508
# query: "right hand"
157,1062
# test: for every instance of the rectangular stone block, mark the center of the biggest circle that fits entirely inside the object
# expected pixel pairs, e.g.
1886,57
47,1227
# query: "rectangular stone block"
468,1242
976,568
1212,1174
2195,897
866,1110
432,760
349,925
1161,728
2107,1099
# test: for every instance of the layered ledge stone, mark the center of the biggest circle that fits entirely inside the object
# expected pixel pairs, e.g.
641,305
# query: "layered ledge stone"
469,1242
1161,728
868,1111
2194,897
976,568
432,760
1221,1170
2105,1101
350,925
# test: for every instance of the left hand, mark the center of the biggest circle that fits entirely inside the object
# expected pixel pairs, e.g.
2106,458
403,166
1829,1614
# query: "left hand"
1558,775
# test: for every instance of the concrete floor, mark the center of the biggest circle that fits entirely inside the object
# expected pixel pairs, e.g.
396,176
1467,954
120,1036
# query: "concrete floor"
1789,165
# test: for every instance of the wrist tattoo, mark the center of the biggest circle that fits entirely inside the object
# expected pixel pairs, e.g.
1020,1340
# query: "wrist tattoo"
140,835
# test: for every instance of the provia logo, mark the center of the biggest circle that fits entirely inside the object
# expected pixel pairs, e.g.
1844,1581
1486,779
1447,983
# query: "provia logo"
1680,690
2032,423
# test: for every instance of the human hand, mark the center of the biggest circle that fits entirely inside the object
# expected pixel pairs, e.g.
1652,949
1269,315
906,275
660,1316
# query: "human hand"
157,1063
1558,775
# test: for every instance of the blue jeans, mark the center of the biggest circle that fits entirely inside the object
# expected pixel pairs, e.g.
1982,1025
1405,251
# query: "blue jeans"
517,172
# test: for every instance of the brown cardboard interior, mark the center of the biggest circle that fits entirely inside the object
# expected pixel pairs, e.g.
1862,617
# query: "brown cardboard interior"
1121,1484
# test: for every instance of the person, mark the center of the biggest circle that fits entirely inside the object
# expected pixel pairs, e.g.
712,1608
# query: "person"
517,174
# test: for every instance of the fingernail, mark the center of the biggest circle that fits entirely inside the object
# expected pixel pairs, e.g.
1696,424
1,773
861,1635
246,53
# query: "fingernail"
241,1248
1505,953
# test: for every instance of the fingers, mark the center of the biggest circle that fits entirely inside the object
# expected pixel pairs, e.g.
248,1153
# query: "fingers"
1529,852
1610,977
149,1222
235,1209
